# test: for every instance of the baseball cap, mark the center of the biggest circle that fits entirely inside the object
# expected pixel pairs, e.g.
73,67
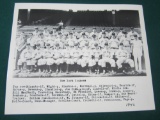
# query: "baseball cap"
51,32
112,28
83,34
41,34
121,28
113,33
86,44
28,44
93,35
121,43
59,33
124,32
37,44
106,44
140,38
76,44
135,35
103,33
57,44
47,44
70,33
95,44
67,44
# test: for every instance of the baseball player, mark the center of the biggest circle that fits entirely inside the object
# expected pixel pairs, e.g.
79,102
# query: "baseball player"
137,47
60,25
120,34
41,40
113,43
42,62
31,40
20,46
93,41
83,32
85,57
132,33
123,57
45,32
50,40
67,57
54,32
126,42
75,34
59,40
71,39
107,57
36,32
83,64
103,31
110,34
19,23
71,52
25,58
93,32
76,57
103,40
91,62
83,40
96,55
57,57
37,55
48,56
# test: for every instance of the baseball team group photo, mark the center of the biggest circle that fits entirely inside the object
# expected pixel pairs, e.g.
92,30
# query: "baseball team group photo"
58,43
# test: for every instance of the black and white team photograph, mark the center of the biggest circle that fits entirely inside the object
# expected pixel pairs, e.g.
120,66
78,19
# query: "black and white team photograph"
58,43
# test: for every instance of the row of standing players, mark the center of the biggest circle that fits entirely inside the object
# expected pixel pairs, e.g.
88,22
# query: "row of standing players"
87,52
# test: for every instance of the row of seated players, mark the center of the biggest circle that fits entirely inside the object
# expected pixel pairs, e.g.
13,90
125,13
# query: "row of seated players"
91,58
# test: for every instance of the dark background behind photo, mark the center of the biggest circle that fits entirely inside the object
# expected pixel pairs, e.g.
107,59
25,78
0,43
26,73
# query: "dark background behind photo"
122,18
152,22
